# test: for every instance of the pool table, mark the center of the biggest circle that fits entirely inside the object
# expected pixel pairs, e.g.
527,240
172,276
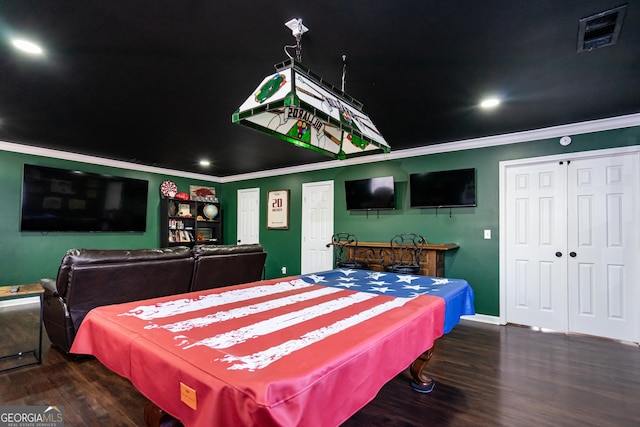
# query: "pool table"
277,352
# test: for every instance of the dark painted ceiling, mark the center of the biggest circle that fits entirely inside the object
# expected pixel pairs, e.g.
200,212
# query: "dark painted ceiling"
156,82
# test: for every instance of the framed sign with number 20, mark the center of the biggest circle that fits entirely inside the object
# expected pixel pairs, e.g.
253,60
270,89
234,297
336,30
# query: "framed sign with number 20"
278,209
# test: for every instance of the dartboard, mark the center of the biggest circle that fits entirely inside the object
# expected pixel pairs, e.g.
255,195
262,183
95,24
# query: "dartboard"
168,187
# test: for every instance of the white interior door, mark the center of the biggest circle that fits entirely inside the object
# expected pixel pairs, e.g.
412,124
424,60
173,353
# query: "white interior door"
603,247
248,224
536,245
570,244
317,227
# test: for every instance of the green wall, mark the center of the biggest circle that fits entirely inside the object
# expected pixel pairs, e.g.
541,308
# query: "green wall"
477,259
29,256
26,257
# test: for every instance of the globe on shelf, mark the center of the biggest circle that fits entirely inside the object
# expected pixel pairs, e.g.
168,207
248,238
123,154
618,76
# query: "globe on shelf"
210,211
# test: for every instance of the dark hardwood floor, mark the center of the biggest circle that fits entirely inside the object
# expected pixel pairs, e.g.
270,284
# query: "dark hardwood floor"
486,376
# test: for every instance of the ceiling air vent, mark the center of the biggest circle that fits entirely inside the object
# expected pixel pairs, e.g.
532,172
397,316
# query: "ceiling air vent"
601,29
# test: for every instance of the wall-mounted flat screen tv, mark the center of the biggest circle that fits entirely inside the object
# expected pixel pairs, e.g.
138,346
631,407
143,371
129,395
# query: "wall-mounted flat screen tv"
370,193
443,189
69,200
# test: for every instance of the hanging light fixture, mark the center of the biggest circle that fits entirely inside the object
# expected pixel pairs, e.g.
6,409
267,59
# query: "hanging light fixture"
300,107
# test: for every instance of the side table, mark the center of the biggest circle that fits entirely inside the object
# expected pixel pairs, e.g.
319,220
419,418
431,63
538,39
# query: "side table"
25,291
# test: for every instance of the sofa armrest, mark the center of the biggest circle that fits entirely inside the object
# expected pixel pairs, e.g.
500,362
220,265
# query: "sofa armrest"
49,285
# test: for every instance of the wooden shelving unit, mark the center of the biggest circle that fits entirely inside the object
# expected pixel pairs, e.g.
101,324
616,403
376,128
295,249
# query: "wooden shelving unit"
189,222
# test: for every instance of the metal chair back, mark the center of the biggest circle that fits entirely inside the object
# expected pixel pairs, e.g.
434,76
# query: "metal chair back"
345,246
406,250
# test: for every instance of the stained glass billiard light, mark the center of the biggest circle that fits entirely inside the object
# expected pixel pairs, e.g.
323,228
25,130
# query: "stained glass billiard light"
298,106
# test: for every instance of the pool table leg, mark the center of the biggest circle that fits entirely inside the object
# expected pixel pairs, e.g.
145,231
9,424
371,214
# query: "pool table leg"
156,417
422,383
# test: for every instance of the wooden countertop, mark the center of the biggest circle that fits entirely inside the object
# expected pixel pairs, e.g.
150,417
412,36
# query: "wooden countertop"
434,246
31,289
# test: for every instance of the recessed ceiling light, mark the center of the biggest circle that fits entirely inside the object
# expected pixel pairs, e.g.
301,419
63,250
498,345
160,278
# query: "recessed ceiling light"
205,163
490,103
27,46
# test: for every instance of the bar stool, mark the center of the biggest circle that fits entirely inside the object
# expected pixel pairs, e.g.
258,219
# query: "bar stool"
406,249
345,258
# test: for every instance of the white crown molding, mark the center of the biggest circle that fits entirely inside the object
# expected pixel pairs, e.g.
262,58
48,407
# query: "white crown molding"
66,155
600,125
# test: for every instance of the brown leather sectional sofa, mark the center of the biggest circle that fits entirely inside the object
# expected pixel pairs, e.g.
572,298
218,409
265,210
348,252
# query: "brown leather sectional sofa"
89,278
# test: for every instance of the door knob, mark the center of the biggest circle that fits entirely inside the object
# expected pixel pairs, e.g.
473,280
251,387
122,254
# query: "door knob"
558,254
572,254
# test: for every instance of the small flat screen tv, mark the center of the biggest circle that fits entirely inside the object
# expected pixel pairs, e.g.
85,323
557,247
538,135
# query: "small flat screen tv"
370,193
68,200
443,189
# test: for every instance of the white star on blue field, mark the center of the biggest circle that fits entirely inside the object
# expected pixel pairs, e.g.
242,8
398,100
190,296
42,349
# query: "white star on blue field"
391,284
406,278
381,289
347,285
415,287
375,275
316,278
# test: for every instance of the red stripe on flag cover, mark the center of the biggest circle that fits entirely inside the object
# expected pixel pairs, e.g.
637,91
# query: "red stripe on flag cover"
266,357
236,313
278,323
186,305
305,317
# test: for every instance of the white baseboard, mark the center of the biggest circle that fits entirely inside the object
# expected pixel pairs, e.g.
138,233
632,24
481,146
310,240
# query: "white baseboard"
18,301
483,318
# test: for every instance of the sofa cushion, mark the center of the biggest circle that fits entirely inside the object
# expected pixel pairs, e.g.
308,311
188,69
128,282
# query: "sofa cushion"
102,256
93,285
78,257
209,250
226,265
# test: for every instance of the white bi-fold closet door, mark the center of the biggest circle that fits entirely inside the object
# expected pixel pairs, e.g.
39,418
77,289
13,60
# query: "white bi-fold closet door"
570,245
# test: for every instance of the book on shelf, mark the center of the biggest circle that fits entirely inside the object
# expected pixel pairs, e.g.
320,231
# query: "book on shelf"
180,236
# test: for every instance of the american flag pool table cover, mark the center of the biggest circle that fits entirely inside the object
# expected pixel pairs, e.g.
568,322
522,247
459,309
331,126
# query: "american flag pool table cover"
309,350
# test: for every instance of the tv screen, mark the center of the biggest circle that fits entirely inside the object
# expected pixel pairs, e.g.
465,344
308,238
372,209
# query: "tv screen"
69,200
370,193
443,189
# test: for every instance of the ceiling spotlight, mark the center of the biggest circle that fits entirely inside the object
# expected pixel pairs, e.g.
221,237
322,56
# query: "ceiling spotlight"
205,163
490,103
27,46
